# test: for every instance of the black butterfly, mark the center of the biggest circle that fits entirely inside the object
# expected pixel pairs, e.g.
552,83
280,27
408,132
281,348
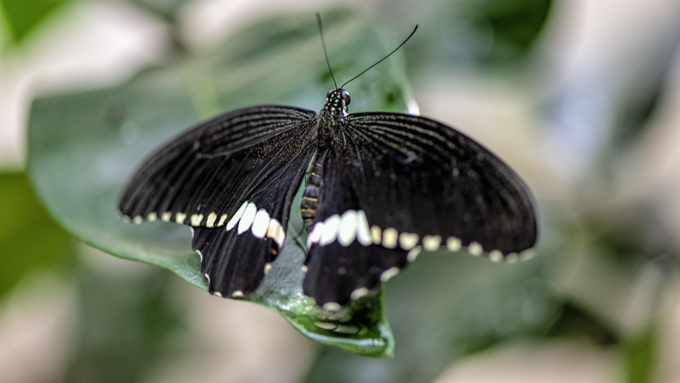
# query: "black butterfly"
382,187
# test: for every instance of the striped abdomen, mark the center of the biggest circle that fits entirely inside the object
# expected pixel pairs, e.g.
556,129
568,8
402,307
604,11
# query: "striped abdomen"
310,196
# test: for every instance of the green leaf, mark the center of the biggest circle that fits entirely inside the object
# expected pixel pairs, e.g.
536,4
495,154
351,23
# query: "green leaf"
640,354
84,147
29,239
24,16
362,327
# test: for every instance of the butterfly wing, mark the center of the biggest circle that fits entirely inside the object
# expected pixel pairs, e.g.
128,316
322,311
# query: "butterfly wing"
202,177
232,179
420,185
420,176
342,260
235,258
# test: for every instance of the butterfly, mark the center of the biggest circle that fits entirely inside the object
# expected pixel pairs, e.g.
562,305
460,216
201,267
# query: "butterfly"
379,188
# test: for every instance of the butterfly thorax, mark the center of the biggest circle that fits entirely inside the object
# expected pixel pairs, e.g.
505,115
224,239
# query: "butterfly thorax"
331,116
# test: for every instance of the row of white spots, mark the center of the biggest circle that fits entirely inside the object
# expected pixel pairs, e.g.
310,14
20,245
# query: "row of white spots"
354,225
258,221
235,294
194,219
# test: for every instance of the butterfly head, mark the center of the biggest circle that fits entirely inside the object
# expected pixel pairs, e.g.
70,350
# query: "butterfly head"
337,101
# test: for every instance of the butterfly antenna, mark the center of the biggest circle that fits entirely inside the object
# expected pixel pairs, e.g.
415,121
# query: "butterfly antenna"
382,59
323,43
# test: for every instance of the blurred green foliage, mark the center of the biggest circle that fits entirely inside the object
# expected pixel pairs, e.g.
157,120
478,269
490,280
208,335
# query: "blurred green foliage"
515,24
29,239
641,355
472,36
23,17
126,324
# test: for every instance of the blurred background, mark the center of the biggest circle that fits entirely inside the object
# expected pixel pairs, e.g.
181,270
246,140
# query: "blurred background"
581,97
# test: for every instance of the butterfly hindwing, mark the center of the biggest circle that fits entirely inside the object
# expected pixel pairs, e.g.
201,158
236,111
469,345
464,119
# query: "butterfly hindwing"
200,178
343,262
235,257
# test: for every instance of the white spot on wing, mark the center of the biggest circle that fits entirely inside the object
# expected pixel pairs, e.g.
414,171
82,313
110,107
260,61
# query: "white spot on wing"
476,249
207,277
348,228
332,306
315,235
237,294
165,217
390,236
210,221
358,293
330,231
267,267
247,218
363,232
453,244
527,255
137,220
260,224
432,242
413,254
234,220
512,258
223,218
152,216
275,232
408,241
389,274
196,219
217,294
376,234
180,217
495,256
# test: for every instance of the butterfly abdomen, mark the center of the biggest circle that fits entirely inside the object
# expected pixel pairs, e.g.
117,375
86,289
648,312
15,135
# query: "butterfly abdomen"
310,196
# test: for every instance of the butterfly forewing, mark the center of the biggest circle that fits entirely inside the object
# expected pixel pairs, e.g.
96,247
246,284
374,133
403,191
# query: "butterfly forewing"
423,178
200,178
